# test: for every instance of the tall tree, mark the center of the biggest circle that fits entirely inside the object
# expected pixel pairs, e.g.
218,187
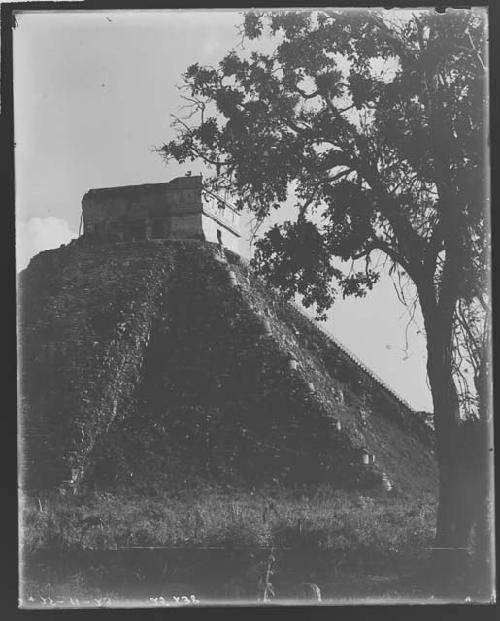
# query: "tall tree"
376,124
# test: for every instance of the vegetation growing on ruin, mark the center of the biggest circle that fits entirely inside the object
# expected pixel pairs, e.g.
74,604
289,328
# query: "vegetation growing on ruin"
171,372
203,435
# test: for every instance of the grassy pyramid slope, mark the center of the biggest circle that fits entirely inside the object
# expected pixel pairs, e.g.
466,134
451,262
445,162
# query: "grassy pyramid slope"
148,366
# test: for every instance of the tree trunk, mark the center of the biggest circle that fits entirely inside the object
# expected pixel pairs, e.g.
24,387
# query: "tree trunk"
462,450
445,553
438,327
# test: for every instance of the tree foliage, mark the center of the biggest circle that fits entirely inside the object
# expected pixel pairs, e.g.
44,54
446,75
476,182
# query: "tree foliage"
374,123
376,129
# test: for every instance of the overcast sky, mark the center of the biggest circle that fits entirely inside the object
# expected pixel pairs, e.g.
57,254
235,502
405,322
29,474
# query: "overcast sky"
93,95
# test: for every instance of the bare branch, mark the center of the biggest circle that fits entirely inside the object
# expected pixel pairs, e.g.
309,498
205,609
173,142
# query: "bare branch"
305,95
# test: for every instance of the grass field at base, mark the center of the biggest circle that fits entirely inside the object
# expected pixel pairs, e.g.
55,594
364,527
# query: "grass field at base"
378,525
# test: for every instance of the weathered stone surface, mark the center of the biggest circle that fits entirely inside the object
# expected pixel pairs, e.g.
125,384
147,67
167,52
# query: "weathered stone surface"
181,209
142,366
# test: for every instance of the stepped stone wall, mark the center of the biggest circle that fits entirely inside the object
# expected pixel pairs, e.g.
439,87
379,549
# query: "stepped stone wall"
83,328
171,361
